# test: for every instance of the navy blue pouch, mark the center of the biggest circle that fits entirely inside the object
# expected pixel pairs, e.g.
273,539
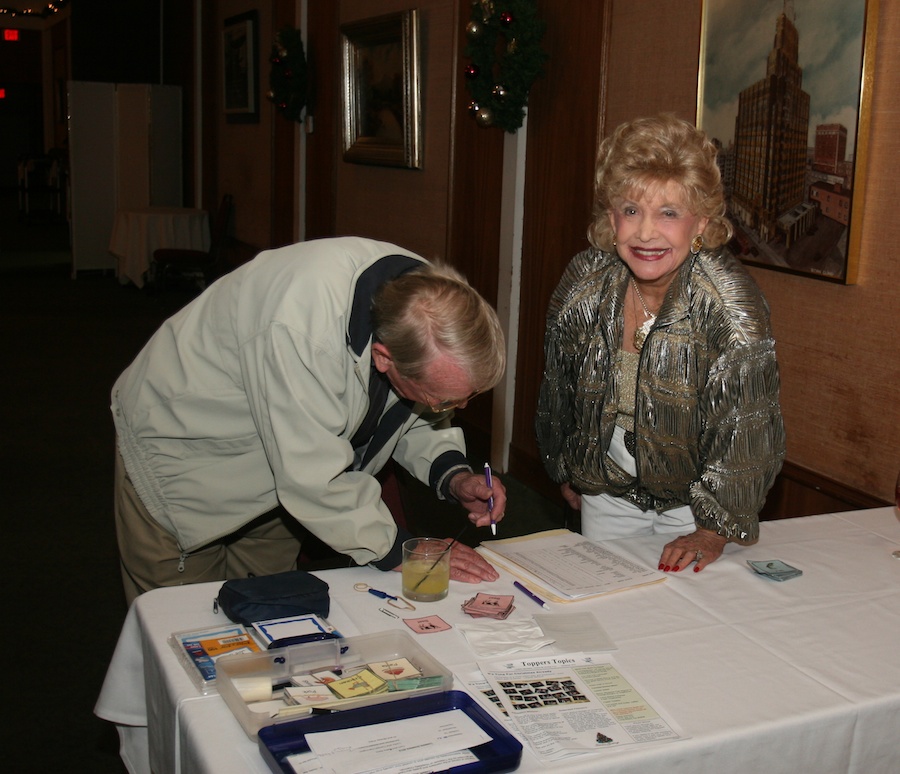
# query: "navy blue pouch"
263,597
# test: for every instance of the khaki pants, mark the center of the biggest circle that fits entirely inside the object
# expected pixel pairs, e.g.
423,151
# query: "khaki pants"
150,556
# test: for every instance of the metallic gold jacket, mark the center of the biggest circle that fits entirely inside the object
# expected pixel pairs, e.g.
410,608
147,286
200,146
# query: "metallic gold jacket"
708,424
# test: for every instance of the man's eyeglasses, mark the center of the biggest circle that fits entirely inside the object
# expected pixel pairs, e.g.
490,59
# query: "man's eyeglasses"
442,406
419,395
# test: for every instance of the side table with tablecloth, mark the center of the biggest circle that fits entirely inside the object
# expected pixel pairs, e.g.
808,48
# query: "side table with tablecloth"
137,234
761,676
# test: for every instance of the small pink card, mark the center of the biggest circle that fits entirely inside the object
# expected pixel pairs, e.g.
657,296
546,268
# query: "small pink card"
489,605
427,625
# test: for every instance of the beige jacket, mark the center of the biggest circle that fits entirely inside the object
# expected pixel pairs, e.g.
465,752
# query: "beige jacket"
251,395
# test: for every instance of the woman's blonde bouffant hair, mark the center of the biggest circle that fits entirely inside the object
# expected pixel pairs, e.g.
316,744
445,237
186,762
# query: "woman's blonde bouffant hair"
433,310
652,151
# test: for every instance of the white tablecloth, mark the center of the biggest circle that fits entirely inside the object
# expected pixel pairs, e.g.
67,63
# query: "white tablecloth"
761,676
137,234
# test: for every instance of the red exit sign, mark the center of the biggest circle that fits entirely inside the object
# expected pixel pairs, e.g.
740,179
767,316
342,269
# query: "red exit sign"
10,34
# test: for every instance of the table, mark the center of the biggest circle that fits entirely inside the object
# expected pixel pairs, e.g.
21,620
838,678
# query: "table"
137,234
761,676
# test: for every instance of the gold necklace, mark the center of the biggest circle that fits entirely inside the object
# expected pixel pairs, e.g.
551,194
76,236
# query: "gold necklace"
640,333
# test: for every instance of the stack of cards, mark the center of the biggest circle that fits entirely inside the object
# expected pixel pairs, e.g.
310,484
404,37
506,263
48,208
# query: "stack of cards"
373,678
363,683
775,569
395,669
489,606
306,691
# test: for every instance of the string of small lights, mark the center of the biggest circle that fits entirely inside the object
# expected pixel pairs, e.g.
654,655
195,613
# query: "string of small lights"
49,9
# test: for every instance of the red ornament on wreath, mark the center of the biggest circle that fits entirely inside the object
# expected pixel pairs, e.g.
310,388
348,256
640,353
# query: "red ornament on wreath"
505,59
287,77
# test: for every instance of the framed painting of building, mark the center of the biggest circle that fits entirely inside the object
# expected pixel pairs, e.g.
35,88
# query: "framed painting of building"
382,117
785,92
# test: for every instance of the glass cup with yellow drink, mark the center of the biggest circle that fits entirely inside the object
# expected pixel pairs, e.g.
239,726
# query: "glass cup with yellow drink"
426,569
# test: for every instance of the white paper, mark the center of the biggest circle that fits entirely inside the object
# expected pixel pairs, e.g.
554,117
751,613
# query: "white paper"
292,626
575,632
575,704
570,565
308,763
501,638
396,743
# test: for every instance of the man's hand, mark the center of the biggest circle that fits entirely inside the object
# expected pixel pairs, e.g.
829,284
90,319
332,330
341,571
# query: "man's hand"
469,566
472,493
466,565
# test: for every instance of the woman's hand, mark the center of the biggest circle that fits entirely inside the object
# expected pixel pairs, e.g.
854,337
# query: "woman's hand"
703,546
572,498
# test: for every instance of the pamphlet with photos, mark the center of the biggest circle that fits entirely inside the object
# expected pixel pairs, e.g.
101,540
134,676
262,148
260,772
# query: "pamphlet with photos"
572,704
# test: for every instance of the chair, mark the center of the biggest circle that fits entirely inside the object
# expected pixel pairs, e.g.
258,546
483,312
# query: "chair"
196,266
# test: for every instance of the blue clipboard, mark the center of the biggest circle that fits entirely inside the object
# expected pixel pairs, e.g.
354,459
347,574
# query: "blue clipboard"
502,753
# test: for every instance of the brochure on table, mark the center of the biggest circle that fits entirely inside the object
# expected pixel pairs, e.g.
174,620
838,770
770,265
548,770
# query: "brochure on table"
573,704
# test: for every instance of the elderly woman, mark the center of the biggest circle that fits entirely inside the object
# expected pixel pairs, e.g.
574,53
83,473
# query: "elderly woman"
658,411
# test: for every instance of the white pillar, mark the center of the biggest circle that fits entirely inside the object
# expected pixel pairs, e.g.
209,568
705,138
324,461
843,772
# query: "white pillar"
510,276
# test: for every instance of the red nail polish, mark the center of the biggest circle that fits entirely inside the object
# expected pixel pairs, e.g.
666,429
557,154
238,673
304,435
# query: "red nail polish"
666,568
661,566
676,568
696,568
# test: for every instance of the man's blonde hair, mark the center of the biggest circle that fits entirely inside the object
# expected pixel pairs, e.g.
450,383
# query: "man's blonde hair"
432,311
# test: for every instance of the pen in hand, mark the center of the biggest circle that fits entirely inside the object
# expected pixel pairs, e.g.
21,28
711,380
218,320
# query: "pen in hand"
489,482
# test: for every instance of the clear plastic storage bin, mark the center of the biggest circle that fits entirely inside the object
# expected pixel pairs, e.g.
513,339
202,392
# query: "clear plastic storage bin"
252,684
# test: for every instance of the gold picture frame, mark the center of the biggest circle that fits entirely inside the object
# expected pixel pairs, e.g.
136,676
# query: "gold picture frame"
785,89
382,119
240,72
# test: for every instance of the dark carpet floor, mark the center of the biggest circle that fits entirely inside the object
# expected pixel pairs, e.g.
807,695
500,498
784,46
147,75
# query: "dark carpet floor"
63,343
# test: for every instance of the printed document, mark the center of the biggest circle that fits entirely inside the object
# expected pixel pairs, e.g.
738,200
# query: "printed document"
568,565
443,738
572,704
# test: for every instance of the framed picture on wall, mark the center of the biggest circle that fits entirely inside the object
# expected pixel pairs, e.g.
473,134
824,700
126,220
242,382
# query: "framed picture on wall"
240,68
382,120
785,90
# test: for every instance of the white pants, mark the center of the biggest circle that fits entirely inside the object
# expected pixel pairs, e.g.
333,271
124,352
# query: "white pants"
604,517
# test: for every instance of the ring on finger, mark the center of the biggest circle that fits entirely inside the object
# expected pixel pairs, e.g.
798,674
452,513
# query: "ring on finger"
699,556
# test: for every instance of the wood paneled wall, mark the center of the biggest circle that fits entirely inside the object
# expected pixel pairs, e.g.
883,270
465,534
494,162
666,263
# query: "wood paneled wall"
473,244
323,58
407,206
564,122
244,161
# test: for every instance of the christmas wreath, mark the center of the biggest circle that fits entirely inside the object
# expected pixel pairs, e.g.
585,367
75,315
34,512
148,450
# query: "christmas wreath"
504,46
287,79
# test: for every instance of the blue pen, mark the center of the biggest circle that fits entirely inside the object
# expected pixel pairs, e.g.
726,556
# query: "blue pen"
490,483
530,595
